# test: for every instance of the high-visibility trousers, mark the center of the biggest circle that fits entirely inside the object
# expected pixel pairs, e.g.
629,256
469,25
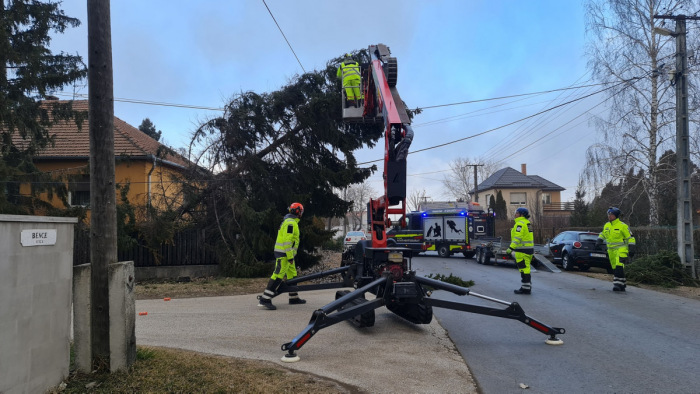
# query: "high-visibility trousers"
282,268
522,261
352,87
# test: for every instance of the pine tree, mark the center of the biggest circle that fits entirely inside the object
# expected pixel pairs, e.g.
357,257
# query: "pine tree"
579,218
147,127
501,207
269,150
29,73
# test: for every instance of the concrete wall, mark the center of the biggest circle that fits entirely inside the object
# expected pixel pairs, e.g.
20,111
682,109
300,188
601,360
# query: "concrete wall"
35,302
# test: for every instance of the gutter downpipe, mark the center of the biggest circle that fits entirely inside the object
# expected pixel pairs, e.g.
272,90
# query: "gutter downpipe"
149,180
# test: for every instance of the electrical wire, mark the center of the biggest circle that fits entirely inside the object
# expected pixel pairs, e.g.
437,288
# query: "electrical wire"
285,37
513,122
136,101
512,96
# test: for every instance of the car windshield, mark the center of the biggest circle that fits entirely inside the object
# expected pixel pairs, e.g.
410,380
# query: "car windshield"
588,237
356,234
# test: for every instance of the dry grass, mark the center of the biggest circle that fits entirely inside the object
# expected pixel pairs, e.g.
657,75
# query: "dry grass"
160,370
200,287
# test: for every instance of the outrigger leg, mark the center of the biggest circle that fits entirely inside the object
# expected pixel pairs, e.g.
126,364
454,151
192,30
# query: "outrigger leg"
513,311
324,317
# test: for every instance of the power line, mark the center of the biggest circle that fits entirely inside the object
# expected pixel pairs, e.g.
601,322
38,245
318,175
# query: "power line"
285,37
516,121
137,101
512,96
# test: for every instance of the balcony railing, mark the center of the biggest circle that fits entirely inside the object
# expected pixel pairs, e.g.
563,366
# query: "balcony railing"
558,206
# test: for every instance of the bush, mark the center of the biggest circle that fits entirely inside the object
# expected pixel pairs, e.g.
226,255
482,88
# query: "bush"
455,280
334,245
662,269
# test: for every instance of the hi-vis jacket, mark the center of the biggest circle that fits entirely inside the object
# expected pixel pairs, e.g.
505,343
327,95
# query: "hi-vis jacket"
521,239
617,235
349,72
287,237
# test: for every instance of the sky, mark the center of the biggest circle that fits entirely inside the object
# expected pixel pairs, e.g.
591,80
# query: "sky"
202,53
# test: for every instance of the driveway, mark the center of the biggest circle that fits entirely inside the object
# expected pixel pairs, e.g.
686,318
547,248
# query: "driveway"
394,356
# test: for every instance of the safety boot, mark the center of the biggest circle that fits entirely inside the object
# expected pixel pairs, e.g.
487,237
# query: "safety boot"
295,300
525,285
265,300
266,303
619,280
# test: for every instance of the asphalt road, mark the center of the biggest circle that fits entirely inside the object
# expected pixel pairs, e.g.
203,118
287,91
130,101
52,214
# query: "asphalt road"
640,341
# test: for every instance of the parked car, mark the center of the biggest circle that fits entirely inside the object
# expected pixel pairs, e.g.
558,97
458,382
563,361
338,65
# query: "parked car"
578,248
352,237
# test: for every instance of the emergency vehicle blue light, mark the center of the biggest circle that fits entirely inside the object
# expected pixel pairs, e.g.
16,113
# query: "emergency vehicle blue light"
424,214
462,213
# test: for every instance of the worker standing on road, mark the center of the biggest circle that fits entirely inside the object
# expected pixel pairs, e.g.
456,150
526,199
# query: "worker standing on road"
286,248
521,242
349,73
621,244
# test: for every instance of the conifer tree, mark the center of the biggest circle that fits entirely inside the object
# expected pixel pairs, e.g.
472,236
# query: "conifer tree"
29,74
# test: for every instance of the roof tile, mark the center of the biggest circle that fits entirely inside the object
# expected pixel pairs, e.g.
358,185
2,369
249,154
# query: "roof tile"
70,142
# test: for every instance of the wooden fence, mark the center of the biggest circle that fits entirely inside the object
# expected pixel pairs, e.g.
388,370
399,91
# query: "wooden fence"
188,248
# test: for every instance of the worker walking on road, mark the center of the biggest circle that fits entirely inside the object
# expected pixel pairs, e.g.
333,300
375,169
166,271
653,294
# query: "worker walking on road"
621,244
349,73
521,242
286,248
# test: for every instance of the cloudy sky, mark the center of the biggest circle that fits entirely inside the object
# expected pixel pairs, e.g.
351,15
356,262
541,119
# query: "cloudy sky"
201,53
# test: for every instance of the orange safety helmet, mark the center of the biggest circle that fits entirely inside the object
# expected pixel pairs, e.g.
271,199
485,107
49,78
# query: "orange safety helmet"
296,209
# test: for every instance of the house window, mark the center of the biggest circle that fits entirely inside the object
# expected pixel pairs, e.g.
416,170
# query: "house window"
546,199
488,200
79,192
518,198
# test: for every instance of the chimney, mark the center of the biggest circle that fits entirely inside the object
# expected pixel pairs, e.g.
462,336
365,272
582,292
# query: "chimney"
523,169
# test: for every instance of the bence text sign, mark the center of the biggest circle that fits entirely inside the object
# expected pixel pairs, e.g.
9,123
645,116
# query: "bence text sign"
38,237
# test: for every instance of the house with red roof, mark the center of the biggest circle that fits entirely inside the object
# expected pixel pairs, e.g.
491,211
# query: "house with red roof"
152,171
540,196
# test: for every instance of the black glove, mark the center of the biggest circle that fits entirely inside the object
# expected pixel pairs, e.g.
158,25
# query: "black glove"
632,248
598,242
290,261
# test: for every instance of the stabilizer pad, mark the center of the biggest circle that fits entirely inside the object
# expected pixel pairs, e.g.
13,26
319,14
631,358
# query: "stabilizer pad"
290,359
554,342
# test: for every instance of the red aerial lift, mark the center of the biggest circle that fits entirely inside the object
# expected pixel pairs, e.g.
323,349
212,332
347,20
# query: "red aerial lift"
371,266
383,103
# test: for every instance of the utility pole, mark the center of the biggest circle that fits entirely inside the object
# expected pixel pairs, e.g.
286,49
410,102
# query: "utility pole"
684,211
476,185
103,211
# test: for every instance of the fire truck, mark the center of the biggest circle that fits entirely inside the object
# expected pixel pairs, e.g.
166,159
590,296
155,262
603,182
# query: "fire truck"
447,231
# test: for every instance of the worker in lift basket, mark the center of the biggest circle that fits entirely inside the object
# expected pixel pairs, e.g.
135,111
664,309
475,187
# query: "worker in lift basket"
349,73
286,248
621,244
521,242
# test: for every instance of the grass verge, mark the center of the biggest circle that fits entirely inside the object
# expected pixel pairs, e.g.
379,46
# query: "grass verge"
161,370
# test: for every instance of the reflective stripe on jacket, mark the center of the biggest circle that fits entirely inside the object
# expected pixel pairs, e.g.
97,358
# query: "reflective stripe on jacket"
521,239
617,235
287,237
350,71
